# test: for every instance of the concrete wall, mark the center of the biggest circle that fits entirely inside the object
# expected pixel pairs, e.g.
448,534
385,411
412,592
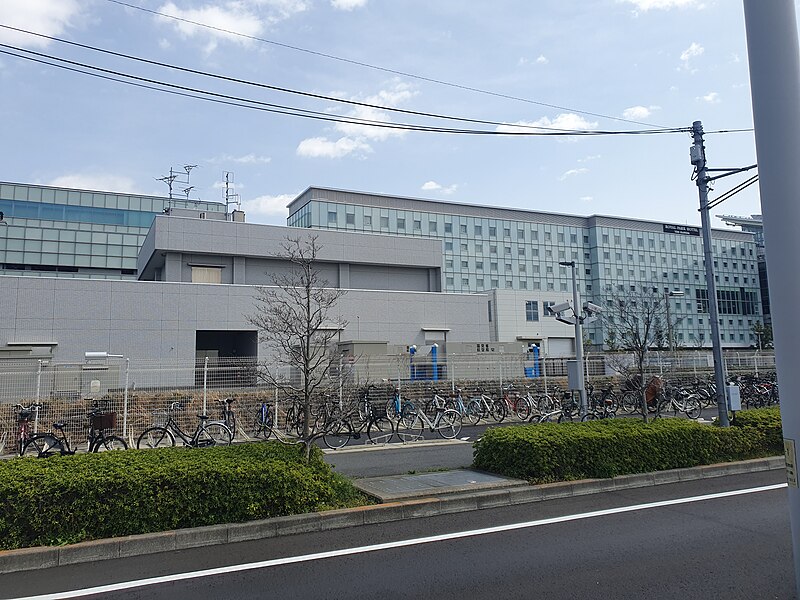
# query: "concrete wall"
158,321
509,322
250,254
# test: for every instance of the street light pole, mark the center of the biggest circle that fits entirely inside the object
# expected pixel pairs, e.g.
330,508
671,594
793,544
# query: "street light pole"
576,304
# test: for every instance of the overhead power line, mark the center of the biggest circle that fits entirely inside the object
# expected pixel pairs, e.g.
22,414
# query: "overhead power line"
375,67
149,83
733,191
276,88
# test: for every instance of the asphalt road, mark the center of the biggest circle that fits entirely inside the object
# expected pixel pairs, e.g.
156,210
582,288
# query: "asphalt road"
732,547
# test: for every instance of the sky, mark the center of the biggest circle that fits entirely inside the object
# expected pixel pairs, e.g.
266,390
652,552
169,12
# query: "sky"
513,65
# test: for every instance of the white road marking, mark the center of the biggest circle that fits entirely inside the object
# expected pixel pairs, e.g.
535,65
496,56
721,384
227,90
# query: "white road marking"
126,585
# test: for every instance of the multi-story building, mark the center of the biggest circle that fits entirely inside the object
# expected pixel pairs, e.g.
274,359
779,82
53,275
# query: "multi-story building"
486,248
755,224
50,231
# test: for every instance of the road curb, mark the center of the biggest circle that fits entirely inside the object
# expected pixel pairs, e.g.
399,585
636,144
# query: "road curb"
27,559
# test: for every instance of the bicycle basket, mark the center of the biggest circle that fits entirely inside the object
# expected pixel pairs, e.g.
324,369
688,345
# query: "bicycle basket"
104,420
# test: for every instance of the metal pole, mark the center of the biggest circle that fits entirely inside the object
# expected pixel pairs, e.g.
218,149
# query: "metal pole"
125,400
205,386
38,395
774,58
669,323
716,341
544,369
576,306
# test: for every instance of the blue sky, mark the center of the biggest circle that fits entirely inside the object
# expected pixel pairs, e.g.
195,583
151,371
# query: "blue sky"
567,65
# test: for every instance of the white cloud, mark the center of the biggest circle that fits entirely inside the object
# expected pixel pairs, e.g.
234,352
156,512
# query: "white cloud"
590,157
248,17
348,4
586,198
322,147
693,51
542,60
50,17
565,121
102,182
645,5
357,138
711,98
432,186
639,112
267,207
247,159
573,172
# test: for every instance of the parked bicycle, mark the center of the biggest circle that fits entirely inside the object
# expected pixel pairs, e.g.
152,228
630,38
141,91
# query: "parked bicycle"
484,406
364,419
397,404
228,415
26,417
446,422
207,433
101,422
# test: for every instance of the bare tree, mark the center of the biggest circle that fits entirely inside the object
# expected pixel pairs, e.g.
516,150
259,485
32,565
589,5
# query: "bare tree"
298,323
634,321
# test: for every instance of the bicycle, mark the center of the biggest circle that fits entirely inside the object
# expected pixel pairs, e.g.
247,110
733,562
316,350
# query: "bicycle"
521,406
446,422
679,400
396,405
43,445
24,433
378,427
205,434
228,416
484,406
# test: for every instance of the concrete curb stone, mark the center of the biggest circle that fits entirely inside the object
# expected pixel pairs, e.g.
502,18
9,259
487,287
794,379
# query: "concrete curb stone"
46,557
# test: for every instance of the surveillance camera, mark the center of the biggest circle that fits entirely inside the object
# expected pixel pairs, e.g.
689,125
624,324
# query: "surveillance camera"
592,308
560,307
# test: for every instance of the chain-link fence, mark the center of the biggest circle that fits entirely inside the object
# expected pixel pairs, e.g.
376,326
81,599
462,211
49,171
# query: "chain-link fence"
145,393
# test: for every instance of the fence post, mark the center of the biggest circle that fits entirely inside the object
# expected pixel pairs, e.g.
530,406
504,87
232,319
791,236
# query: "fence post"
341,366
125,400
755,362
38,395
275,417
205,385
544,369
501,374
452,367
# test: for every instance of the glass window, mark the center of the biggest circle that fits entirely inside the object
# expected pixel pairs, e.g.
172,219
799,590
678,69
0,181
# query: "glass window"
478,230
401,223
385,222
350,219
531,310
492,231
367,220
331,218
462,229
432,226
448,228
417,225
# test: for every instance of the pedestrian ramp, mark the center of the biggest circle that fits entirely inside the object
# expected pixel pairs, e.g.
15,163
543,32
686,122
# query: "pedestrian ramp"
415,485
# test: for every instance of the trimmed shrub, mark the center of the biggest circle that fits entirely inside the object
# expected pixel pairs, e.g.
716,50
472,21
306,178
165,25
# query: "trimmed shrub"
600,449
67,499
766,420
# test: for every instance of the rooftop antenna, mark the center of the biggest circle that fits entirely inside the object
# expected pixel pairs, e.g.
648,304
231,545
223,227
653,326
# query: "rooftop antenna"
173,177
231,197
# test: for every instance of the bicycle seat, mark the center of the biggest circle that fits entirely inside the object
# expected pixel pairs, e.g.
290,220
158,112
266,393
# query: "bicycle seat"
203,417
59,425
25,414
229,400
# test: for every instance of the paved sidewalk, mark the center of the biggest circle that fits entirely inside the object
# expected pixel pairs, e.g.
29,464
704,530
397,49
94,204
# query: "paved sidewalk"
402,487
436,494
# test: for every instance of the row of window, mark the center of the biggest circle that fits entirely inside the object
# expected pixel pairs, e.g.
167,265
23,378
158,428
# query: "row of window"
38,194
20,209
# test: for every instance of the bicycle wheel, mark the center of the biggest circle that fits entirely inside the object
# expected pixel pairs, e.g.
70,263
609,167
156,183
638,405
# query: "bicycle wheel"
155,437
213,434
392,409
449,425
408,414
230,422
631,402
523,408
498,410
474,412
337,434
589,416
692,407
111,442
410,430
380,430
42,445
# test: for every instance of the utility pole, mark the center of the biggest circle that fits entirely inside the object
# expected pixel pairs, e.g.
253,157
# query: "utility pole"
698,156
774,57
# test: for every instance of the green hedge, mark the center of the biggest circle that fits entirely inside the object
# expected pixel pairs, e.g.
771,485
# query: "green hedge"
599,449
767,420
69,499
